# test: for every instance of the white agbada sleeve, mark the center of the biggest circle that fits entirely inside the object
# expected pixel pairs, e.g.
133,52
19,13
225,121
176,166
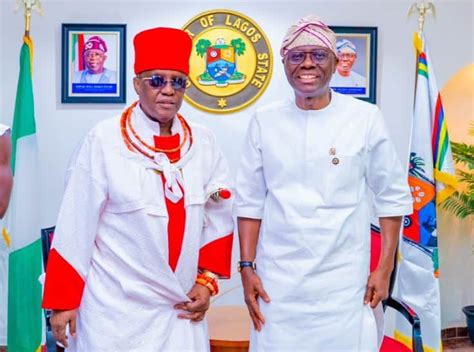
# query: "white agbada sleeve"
84,199
386,176
216,247
250,183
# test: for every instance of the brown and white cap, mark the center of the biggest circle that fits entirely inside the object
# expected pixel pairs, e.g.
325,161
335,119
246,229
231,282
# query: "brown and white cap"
309,30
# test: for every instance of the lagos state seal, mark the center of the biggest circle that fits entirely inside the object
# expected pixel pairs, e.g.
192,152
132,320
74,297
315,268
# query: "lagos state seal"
231,61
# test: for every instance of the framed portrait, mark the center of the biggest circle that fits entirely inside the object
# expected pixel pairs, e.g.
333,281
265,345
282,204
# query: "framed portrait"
356,71
93,63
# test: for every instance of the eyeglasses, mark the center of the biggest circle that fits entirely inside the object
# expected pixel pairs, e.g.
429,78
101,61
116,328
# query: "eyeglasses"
345,56
159,82
318,56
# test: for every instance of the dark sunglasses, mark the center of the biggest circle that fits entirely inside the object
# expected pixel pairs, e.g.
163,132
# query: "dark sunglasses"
319,56
159,82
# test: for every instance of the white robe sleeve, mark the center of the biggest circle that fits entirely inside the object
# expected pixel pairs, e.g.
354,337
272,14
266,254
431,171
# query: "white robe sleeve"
76,228
216,250
386,176
251,188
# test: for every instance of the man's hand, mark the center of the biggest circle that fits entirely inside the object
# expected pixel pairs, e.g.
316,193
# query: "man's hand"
59,320
377,287
379,280
253,288
200,297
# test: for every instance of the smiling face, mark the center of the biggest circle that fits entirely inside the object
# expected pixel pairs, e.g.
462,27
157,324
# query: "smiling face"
310,79
95,60
346,61
160,104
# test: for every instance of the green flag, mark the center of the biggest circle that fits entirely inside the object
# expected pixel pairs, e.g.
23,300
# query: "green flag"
25,317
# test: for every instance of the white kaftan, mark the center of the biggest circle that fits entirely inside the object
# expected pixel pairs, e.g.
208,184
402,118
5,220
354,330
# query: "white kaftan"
112,230
353,80
306,175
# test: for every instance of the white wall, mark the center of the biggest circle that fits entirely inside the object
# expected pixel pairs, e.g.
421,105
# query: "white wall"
61,126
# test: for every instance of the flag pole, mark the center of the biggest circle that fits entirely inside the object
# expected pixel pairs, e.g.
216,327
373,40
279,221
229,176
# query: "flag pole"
422,8
28,7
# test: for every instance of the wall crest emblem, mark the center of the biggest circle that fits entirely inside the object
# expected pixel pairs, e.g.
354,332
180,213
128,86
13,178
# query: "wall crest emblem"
231,61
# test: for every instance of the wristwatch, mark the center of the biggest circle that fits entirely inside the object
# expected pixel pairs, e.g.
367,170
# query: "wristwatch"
245,264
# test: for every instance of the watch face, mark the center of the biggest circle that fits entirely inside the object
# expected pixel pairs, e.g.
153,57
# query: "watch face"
245,264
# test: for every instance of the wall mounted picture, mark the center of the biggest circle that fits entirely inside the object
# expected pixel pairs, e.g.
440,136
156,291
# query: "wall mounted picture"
93,63
356,70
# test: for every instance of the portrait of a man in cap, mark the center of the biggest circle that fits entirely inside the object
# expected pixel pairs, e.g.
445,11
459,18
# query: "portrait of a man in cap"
345,75
94,54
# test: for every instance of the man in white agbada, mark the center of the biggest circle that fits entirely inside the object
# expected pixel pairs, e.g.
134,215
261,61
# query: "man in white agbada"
6,183
145,226
303,216
345,76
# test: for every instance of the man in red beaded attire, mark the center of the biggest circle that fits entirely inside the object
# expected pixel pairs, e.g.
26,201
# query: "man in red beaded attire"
145,226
